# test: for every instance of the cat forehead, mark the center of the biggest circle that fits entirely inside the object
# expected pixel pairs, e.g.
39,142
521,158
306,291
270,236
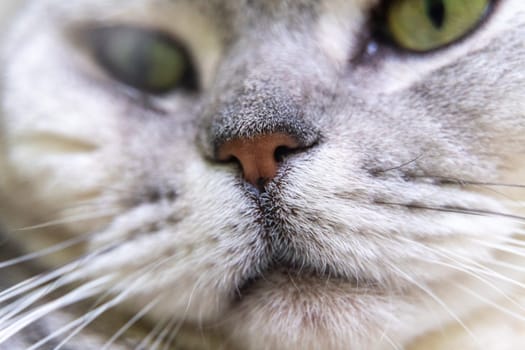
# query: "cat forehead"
331,22
267,5
220,10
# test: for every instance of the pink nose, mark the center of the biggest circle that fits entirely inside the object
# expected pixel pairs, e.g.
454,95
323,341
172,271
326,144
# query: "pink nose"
258,156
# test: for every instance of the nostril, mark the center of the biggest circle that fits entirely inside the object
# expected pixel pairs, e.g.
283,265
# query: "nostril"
259,157
233,160
282,152
228,159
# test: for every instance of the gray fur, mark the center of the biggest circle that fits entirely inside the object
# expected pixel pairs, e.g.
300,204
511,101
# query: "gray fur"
361,240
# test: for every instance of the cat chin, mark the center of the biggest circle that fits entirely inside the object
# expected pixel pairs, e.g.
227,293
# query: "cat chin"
289,312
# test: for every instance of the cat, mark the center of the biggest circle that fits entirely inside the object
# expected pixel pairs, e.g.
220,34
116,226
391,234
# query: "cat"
255,175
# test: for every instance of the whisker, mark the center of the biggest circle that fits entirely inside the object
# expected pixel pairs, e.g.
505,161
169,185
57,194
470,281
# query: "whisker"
436,299
506,265
465,268
87,206
400,166
142,271
65,275
68,220
516,242
33,282
384,336
14,309
470,271
41,279
94,314
491,303
491,261
154,335
46,251
486,270
80,322
173,329
97,311
512,250
81,293
391,342
461,182
456,210
131,322
177,326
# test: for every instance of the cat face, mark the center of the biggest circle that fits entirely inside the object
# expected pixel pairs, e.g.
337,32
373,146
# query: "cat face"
313,187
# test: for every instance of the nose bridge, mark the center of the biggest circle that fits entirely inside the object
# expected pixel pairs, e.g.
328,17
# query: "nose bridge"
261,89
260,111
260,124
266,98
274,78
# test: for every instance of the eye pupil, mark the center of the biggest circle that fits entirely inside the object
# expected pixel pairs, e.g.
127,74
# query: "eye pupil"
435,10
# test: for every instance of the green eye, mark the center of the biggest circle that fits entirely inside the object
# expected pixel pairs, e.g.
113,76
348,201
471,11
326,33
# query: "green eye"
424,25
148,61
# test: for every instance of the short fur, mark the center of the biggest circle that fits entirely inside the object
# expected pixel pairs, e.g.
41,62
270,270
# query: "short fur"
399,226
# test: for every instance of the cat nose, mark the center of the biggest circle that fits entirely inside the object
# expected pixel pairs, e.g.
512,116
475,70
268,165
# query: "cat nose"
258,156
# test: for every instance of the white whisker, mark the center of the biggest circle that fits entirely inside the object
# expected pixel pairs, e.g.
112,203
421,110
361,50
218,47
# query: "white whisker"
130,323
128,285
472,270
391,342
80,322
514,241
145,343
33,282
173,329
384,336
68,220
21,304
61,272
46,251
81,293
438,300
508,249
505,265
91,316
485,270
176,327
491,303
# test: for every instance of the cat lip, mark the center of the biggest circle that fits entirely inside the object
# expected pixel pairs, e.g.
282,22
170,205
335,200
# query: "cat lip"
303,272
266,187
251,286
282,256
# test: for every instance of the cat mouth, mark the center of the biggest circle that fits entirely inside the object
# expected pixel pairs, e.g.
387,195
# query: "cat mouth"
285,256
295,276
